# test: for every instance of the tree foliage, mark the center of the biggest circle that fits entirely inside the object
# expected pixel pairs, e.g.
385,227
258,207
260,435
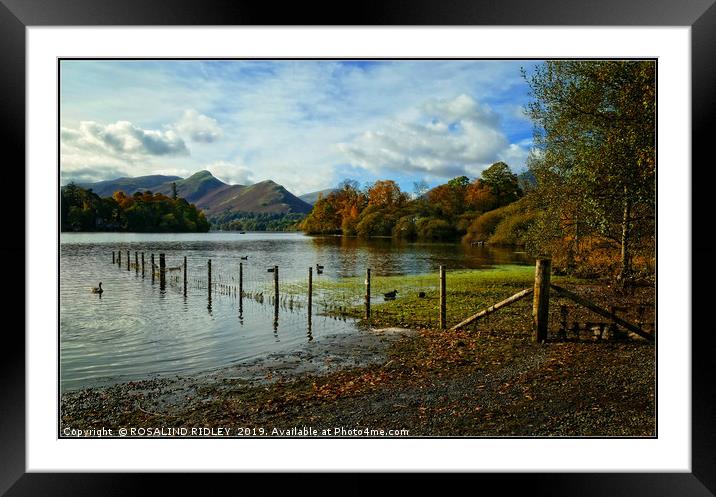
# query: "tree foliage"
143,212
251,221
382,209
595,158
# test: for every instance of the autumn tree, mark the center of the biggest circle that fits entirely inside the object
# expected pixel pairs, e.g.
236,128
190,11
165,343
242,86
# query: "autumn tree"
479,197
386,193
449,198
83,210
595,151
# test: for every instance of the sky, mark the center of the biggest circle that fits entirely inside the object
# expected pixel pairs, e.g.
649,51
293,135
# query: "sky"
305,124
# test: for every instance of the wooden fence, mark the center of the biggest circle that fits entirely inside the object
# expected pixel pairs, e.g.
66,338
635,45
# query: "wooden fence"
540,292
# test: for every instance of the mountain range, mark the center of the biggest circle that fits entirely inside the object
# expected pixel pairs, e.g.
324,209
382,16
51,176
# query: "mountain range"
312,197
212,195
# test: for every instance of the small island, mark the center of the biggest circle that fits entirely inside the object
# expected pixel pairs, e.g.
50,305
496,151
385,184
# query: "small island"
143,212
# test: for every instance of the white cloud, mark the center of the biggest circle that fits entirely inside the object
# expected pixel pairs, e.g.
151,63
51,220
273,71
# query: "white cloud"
232,174
514,155
449,137
94,151
123,139
462,107
198,127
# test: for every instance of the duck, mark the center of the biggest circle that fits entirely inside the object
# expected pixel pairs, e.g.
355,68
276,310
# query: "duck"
97,289
244,257
319,270
390,295
318,266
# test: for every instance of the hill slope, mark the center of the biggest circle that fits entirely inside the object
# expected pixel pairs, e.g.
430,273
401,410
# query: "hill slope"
210,194
312,197
129,185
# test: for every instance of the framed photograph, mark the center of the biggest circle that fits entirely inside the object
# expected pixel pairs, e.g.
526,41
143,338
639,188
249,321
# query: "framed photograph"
388,247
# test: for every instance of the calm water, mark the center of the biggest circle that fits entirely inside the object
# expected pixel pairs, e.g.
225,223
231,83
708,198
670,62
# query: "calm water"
137,329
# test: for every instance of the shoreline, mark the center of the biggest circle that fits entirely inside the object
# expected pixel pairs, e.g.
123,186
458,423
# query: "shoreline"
329,354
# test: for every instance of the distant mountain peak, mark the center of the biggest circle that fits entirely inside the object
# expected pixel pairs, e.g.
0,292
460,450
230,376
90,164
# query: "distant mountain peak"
201,175
213,195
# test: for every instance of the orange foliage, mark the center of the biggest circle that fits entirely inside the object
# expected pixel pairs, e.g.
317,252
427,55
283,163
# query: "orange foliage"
386,193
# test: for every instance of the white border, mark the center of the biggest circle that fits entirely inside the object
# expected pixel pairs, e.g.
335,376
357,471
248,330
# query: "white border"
670,452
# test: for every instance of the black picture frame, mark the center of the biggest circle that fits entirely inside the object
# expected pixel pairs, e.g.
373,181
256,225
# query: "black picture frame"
16,15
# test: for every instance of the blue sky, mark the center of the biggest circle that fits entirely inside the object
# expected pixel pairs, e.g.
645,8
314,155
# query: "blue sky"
304,124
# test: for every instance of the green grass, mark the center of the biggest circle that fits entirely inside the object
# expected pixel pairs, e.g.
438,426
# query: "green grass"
468,291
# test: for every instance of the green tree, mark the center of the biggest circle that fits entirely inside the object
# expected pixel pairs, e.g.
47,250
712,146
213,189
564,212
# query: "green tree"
502,182
595,151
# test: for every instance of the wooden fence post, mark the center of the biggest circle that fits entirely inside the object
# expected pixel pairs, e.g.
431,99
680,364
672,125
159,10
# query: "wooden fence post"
275,284
209,275
162,270
128,260
443,299
540,304
185,276
241,279
367,293
142,264
563,320
310,295
136,261
119,258
113,257
152,268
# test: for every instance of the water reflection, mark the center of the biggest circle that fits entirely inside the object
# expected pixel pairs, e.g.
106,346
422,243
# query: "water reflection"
350,256
241,308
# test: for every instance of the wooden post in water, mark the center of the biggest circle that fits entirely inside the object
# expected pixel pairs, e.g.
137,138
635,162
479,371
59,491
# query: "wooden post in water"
136,261
119,258
275,284
367,293
443,299
310,295
540,304
209,275
152,268
128,260
241,279
142,264
162,270
113,257
185,276
241,292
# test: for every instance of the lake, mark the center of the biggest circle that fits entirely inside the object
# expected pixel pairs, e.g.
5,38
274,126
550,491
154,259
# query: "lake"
139,329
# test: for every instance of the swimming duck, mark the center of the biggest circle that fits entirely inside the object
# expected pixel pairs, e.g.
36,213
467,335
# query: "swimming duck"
244,257
97,289
390,295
